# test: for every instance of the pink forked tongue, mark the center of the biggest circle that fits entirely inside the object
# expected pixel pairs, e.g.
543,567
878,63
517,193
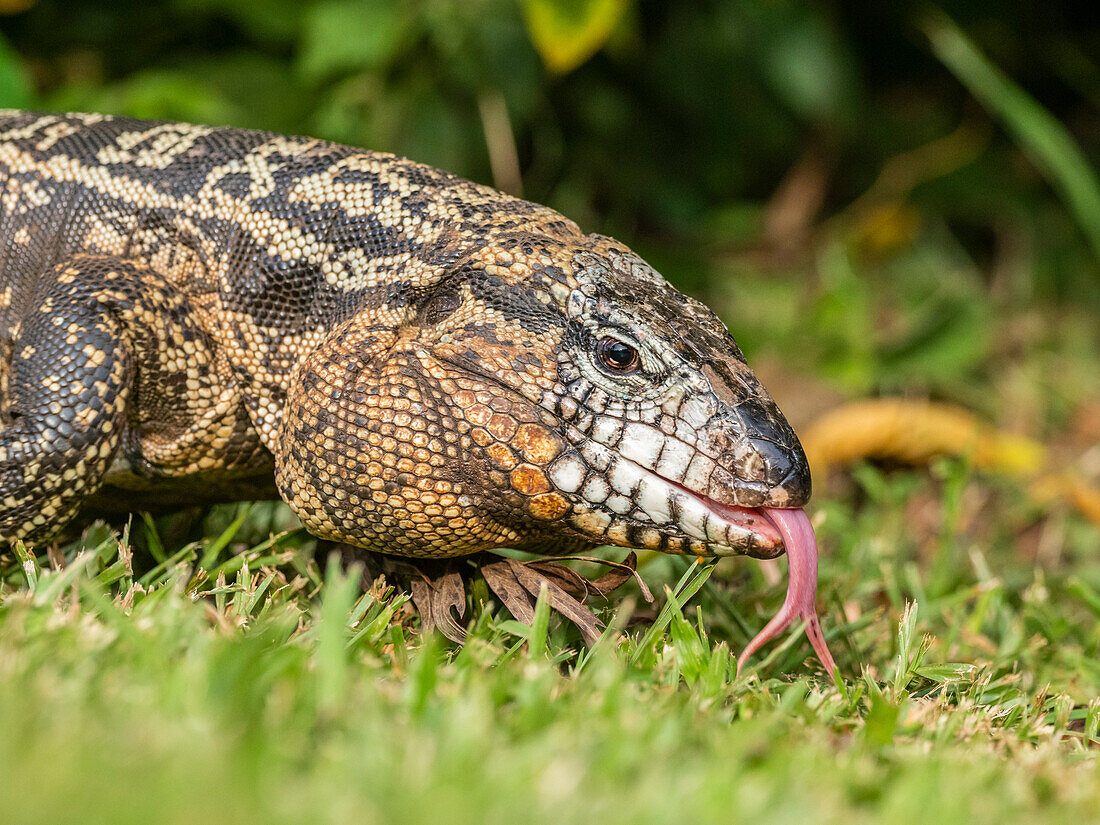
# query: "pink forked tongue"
798,537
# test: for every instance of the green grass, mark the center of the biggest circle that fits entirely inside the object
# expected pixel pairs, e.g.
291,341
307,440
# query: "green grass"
274,689
239,679
1036,131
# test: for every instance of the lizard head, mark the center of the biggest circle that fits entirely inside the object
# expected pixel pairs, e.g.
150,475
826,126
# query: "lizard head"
673,443
547,391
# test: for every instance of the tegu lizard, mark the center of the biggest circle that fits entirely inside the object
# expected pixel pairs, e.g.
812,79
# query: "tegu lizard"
418,364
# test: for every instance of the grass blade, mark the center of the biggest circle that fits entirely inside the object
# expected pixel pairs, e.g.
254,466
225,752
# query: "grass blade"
690,583
221,542
1037,131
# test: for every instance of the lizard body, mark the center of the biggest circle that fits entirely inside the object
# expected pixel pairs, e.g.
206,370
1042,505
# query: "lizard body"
419,365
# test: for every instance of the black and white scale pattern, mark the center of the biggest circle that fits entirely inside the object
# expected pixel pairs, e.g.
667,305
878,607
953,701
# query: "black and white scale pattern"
415,363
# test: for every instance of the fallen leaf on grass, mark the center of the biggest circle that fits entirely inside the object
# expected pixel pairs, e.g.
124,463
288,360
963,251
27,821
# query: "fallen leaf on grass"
914,432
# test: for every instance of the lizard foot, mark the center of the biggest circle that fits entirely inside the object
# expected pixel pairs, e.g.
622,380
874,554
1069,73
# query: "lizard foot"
438,586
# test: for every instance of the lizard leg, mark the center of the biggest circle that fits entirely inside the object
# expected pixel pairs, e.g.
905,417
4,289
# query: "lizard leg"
115,387
68,385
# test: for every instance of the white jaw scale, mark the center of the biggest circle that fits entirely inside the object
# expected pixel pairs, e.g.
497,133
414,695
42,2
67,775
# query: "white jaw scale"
681,519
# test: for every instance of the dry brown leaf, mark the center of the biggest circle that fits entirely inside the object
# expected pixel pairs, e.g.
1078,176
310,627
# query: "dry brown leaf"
503,582
421,595
566,578
438,589
621,572
448,598
585,620
915,432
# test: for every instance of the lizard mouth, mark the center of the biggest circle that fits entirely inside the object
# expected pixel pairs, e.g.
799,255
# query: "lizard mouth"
708,527
759,536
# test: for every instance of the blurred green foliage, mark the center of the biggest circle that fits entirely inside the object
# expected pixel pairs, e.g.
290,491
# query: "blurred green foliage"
814,170
877,197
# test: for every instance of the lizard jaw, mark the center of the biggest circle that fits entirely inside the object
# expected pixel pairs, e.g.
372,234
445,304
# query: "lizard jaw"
758,534
707,526
728,529
782,529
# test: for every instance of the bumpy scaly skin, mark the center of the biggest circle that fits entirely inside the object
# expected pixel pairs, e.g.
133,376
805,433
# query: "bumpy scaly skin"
183,308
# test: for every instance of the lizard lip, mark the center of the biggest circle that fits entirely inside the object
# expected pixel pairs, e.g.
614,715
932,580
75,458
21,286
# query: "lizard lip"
762,539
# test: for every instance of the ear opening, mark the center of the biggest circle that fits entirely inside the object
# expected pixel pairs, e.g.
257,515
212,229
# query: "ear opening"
443,303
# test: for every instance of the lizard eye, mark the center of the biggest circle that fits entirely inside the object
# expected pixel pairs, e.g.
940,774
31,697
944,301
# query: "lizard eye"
618,357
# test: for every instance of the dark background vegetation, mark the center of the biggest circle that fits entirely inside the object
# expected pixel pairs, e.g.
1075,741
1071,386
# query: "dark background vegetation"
880,198
720,138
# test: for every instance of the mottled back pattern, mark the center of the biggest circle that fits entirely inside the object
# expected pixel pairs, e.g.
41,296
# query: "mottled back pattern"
428,366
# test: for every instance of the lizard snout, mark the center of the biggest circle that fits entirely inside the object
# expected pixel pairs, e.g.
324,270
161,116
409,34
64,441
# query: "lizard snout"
760,459
785,471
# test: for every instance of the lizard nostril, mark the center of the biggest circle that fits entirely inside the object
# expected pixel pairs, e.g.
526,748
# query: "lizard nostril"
774,462
793,484
785,471
754,467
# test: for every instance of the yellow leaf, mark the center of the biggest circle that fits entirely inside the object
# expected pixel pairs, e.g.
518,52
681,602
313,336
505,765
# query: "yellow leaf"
568,32
915,431
888,228
15,6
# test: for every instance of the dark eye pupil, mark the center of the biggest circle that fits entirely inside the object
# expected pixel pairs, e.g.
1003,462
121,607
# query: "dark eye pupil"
618,356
